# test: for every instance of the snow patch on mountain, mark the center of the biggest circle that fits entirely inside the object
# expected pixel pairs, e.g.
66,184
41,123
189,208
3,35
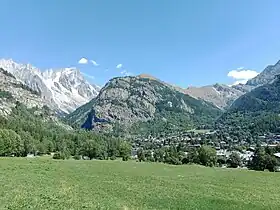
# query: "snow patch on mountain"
64,89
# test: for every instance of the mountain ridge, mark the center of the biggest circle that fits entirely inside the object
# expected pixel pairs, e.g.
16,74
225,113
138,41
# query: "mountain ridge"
13,91
130,100
64,89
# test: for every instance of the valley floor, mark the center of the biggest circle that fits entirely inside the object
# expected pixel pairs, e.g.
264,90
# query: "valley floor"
41,183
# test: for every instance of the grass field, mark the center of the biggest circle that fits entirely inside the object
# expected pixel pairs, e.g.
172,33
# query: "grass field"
49,184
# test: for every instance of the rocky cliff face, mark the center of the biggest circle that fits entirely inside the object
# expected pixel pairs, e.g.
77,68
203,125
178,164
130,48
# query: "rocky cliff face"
223,96
11,91
220,95
63,89
129,100
266,76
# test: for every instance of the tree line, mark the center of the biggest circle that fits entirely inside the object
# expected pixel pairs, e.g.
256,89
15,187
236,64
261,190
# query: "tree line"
262,159
24,132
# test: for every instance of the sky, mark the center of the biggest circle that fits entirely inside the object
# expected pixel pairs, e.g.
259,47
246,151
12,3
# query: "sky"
182,42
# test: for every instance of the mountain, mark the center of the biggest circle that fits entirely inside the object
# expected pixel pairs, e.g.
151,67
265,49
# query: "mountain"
64,89
12,90
257,111
263,98
266,76
132,100
220,95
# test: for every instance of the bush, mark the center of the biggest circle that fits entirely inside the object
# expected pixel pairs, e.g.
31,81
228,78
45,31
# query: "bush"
60,156
113,158
207,156
234,160
77,157
125,158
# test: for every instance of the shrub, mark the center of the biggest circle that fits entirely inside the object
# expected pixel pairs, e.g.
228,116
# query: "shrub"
113,158
77,157
61,156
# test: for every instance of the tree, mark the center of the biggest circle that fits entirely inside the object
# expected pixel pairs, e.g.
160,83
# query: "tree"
10,143
125,150
30,144
159,155
113,146
192,156
258,161
234,160
172,156
149,156
140,154
92,149
271,163
207,156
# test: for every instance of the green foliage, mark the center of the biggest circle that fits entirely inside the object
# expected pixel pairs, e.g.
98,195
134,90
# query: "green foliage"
39,136
207,156
192,156
159,155
234,160
92,149
30,144
125,150
10,143
77,157
140,155
61,155
263,160
174,111
256,112
171,156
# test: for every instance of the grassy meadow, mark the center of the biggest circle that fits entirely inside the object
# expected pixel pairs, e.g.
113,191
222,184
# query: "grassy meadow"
42,183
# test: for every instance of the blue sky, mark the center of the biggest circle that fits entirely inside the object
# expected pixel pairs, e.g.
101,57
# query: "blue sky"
183,42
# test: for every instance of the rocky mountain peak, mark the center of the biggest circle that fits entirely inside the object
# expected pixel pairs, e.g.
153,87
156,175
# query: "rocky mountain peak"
64,89
147,76
129,100
266,76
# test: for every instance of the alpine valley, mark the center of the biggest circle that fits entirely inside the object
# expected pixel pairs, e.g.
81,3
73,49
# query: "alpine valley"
131,104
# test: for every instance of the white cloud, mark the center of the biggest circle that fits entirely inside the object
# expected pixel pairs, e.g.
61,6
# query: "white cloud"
88,76
119,66
94,63
83,61
242,75
126,73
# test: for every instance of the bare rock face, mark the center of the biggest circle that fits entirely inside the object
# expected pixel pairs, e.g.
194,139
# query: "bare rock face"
63,89
220,95
11,91
266,76
128,100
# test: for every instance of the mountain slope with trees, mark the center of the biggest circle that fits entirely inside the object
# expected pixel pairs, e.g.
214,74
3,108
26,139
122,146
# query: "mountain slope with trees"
137,101
257,111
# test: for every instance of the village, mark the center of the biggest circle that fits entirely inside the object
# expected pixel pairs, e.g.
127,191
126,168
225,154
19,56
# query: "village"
185,141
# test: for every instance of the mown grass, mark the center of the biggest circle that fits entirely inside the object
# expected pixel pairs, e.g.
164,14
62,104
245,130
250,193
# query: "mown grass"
49,184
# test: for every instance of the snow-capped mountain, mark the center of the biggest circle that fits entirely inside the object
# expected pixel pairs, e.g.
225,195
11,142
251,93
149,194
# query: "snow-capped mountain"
64,89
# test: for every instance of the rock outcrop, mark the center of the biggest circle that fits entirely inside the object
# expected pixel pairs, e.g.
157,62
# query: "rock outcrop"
63,89
128,100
